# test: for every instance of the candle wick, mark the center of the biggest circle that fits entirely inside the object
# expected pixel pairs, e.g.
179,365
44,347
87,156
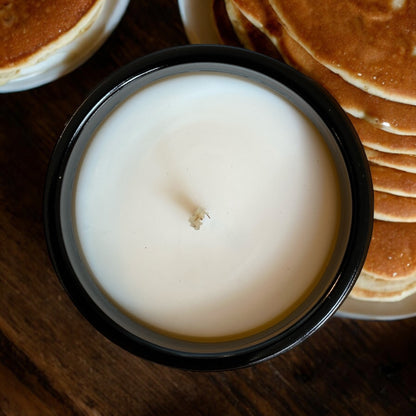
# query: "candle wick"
197,217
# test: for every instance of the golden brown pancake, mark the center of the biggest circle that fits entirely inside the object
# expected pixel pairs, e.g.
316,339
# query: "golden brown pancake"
389,207
238,23
384,141
392,252
393,181
389,272
371,44
30,30
223,25
374,289
350,38
249,36
261,15
385,114
392,160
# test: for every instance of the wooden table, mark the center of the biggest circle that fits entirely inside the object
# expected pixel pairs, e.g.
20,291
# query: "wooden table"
53,362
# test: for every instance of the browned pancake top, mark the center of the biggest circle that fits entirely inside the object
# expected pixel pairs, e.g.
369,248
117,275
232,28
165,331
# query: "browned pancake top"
26,26
388,115
371,43
392,252
385,114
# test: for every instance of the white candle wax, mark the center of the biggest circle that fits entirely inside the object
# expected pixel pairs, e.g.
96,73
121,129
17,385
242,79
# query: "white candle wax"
237,152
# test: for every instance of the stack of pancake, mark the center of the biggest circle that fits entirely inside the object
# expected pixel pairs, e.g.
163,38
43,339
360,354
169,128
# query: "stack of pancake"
32,30
364,54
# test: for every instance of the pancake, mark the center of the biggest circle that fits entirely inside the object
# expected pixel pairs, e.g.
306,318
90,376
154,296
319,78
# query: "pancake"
389,207
223,24
406,163
261,15
387,115
238,24
386,129
249,36
393,181
381,268
371,44
373,289
31,30
383,141
392,252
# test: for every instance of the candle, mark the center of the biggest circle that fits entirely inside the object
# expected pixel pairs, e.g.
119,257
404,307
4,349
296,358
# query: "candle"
207,206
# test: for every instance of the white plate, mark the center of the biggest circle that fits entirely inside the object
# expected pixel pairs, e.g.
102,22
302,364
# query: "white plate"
199,24
72,55
385,311
198,21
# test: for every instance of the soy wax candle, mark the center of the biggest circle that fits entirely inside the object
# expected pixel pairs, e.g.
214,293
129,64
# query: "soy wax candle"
205,211
176,217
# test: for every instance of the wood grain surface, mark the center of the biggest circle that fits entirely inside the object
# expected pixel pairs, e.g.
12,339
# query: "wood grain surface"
53,362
